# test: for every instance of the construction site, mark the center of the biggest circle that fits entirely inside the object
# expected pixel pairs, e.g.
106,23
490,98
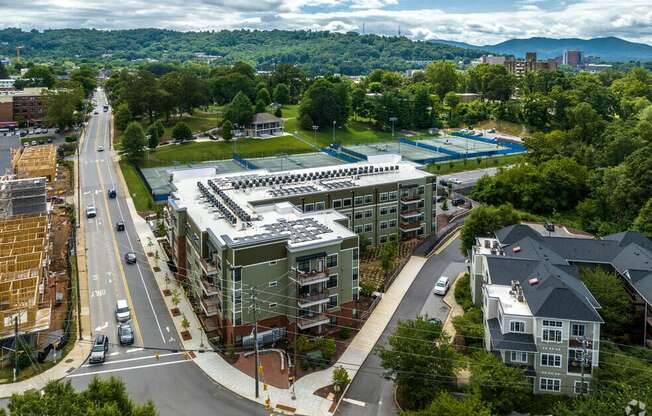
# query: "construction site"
36,263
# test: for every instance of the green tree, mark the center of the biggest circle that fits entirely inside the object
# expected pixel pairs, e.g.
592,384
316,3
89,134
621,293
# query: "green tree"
643,222
41,76
153,139
443,77
358,98
122,116
484,221
85,76
421,357
263,95
227,133
4,74
181,132
503,388
160,129
340,378
609,291
62,105
261,107
325,102
447,405
278,113
282,94
239,111
388,257
133,142
305,121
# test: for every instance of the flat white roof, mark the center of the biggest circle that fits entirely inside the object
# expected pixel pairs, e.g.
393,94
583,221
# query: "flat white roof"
511,305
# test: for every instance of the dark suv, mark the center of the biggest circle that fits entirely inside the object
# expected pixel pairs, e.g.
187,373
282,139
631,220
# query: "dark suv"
100,348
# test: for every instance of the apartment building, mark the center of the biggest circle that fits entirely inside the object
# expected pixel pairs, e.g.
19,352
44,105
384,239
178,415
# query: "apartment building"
27,104
292,237
520,67
538,313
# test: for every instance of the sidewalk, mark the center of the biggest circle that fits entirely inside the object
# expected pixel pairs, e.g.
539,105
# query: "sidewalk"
455,308
306,403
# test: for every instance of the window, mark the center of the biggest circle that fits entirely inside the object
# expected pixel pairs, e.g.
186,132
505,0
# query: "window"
384,196
368,214
578,387
392,223
308,207
368,199
383,225
238,319
358,200
346,202
384,211
358,229
331,261
551,360
383,239
354,274
358,215
578,330
392,210
549,384
272,306
518,357
393,195
273,283
333,320
516,326
320,206
337,203
332,281
551,335
557,324
355,293
237,274
355,254
237,297
368,228
332,302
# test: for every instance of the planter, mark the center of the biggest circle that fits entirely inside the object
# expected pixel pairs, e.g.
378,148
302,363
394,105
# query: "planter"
156,269
175,311
185,335
167,292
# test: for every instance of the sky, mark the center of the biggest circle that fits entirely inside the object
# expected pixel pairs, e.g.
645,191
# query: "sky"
478,22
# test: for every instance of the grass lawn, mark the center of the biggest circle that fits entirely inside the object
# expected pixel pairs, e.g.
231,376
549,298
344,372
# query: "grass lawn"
505,127
472,164
137,189
203,151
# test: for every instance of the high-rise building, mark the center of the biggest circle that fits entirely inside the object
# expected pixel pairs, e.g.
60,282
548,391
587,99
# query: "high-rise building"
572,58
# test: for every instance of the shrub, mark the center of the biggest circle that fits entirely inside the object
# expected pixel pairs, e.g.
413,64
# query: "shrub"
344,333
70,139
463,292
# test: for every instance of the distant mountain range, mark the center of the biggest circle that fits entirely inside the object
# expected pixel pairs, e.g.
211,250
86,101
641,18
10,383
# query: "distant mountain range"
608,49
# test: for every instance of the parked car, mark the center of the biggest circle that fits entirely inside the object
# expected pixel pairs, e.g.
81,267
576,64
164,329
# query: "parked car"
122,313
49,139
119,226
91,212
458,201
435,321
126,334
34,143
99,350
130,257
442,285
454,180
440,198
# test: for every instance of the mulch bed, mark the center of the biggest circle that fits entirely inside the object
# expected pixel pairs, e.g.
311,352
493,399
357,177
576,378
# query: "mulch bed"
186,335
175,311
167,292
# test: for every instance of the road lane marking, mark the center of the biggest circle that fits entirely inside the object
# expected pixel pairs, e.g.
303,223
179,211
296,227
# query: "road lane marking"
115,370
134,350
114,353
355,402
128,360
119,260
102,327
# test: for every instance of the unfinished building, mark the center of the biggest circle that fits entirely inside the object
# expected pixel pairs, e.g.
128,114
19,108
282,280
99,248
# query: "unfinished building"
36,161
22,196
24,262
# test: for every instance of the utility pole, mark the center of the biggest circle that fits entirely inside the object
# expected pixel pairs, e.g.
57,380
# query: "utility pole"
314,133
393,120
585,360
334,123
253,298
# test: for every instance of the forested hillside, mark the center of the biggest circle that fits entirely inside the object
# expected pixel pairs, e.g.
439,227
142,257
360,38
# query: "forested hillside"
315,52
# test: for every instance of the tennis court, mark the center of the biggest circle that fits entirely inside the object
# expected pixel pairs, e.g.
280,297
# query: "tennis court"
158,178
406,151
461,144
296,161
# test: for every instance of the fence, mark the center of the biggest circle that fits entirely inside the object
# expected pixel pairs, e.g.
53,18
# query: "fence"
339,155
244,163
350,152
515,147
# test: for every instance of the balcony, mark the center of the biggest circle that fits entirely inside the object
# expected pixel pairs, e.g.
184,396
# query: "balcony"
312,299
411,213
314,276
409,226
209,267
306,322
209,306
575,366
208,288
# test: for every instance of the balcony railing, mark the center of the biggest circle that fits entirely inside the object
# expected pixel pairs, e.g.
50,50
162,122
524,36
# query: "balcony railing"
306,322
312,299
411,213
409,226
314,276
209,288
209,306
575,366
209,267
411,198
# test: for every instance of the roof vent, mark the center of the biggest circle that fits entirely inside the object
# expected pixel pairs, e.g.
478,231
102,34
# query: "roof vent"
516,249
533,281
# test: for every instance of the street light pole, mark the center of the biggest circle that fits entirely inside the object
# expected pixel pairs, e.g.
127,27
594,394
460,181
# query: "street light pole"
334,123
393,120
314,132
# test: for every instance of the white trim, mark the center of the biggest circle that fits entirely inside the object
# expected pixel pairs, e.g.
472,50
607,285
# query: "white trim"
554,358
519,355
516,321
541,379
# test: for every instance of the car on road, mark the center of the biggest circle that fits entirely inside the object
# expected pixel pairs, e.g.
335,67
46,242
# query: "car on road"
442,285
49,140
95,112
99,350
119,226
435,321
91,212
100,148
458,201
454,180
122,313
130,257
111,192
126,334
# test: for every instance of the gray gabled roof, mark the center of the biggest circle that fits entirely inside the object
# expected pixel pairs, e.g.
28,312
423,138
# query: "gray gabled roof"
263,118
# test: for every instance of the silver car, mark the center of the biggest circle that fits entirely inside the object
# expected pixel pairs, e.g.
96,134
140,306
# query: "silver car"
122,313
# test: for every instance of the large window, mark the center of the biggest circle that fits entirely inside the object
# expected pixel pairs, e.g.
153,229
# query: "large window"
332,302
516,326
384,196
332,281
358,215
518,357
578,330
368,214
368,199
358,200
384,211
578,387
320,206
331,260
549,384
551,360
355,254
346,202
337,203
551,335
368,228
237,274
383,225
555,324
308,208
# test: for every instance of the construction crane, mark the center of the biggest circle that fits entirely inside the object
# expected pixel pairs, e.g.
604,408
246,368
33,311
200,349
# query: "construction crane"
18,48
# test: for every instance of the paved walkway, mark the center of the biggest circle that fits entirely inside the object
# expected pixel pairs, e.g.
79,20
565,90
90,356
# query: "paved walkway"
306,403
455,308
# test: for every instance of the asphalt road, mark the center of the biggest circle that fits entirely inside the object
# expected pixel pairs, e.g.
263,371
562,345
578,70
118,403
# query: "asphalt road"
370,394
173,382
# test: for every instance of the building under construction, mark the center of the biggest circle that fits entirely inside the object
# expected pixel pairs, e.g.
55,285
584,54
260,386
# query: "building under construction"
36,161
24,259
22,196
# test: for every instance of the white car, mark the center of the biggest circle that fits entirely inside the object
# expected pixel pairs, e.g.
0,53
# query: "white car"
442,285
454,180
122,313
91,211
100,148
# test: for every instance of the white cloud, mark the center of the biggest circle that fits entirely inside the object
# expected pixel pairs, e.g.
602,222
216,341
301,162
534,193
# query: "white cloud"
631,20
